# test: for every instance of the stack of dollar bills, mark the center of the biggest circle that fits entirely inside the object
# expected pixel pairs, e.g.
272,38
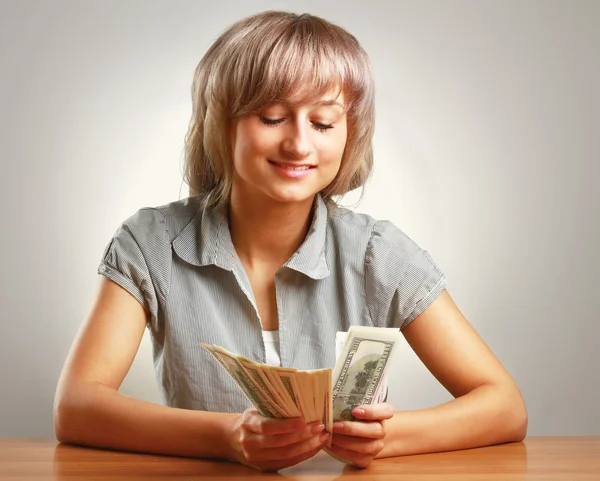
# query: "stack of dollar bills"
363,357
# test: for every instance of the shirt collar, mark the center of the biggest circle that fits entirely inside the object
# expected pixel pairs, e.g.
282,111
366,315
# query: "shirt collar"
206,240
310,257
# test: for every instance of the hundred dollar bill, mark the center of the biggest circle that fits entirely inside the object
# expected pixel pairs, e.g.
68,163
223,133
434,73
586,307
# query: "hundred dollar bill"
360,368
340,340
292,387
327,418
244,381
280,390
256,372
305,384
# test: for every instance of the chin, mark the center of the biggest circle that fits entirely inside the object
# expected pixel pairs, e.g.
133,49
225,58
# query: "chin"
292,196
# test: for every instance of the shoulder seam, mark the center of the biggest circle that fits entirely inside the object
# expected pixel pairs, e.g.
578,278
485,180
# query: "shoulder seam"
161,297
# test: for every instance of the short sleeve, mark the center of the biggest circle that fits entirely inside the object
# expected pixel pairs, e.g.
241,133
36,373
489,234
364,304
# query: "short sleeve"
138,258
401,279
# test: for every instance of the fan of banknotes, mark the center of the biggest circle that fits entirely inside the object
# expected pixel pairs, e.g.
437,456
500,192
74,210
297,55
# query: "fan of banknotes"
363,356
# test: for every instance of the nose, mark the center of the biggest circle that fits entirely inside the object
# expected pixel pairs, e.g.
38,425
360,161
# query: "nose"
297,143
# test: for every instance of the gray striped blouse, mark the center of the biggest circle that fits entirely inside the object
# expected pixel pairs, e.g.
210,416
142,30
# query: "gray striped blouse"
179,262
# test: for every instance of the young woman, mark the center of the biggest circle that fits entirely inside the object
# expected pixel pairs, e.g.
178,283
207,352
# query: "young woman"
260,260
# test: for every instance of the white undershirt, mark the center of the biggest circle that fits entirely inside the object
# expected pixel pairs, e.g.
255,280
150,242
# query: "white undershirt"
271,339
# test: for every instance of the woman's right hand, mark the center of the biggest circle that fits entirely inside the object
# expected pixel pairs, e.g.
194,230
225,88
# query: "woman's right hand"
270,444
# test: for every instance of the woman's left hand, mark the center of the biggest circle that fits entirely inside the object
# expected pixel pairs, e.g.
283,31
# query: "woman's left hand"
361,441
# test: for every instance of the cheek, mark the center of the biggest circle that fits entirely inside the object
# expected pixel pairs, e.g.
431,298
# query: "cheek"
254,144
246,145
335,148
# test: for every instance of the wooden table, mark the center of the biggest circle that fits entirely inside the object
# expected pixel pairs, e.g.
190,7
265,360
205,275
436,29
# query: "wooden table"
537,458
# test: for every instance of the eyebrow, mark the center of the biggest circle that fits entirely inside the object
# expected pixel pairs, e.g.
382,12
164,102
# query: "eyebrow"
327,103
321,103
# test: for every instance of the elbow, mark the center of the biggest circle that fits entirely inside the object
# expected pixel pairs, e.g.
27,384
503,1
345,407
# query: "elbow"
69,416
62,426
517,418
60,414
77,414
508,414
520,427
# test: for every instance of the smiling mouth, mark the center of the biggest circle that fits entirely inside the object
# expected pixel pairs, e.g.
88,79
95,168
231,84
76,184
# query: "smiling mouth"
291,166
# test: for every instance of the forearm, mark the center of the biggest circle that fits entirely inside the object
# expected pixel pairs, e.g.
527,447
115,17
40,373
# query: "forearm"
102,417
485,416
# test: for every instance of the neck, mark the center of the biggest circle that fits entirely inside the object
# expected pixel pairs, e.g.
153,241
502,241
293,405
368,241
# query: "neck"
265,232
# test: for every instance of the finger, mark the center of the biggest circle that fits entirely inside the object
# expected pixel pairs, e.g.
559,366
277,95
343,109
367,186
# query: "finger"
360,460
371,429
280,440
286,463
360,445
259,424
293,450
374,412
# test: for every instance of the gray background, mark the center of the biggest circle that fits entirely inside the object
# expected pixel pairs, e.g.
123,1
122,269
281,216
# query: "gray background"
487,151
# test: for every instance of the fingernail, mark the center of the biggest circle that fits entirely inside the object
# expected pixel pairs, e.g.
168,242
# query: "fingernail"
338,427
323,437
317,428
358,412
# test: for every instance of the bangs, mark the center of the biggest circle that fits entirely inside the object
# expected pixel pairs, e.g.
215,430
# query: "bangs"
298,64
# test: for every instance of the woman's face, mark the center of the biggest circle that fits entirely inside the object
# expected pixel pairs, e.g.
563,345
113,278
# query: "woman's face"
289,153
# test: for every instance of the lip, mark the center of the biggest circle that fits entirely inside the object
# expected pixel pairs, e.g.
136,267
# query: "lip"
289,173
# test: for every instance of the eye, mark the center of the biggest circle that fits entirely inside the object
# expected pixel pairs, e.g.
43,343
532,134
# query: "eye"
322,127
274,122
270,122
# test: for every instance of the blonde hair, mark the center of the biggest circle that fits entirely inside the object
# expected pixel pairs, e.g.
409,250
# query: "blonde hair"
269,57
